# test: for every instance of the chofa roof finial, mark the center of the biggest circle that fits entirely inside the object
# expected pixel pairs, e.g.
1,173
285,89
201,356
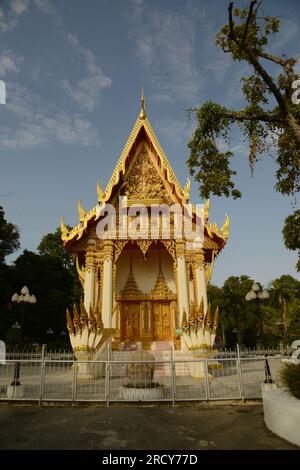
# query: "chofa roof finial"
142,114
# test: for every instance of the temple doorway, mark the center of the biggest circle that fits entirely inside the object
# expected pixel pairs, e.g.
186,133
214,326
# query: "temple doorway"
146,296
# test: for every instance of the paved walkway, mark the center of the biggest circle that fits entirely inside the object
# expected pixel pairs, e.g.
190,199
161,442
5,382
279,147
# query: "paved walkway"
154,427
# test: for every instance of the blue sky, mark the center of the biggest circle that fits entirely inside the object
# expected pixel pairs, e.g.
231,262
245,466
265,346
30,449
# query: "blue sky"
74,71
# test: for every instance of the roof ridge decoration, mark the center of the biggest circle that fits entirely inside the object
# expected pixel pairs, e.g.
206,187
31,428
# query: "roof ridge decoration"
142,121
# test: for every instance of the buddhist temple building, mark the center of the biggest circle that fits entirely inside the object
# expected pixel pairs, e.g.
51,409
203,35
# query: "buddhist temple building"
143,287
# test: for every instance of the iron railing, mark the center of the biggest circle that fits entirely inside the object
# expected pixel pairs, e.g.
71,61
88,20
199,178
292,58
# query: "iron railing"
177,376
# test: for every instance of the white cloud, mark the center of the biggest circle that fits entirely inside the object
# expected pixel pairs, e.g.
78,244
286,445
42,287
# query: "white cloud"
19,6
87,90
176,47
176,131
7,21
11,13
9,62
45,6
37,123
165,42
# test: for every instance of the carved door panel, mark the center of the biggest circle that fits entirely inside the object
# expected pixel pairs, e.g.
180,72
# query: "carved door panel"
130,322
162,322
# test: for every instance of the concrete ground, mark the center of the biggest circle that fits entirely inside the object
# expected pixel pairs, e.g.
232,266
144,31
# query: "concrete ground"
154,427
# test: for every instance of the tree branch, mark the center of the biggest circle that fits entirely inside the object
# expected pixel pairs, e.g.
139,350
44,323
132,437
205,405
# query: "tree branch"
248,21
277,60
231,33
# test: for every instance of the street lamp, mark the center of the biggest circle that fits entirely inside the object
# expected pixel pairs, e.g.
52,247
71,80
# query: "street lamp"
23,299
16,389
258,294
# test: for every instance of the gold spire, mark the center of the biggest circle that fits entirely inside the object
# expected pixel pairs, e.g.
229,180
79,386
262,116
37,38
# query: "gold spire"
63,228
83,312
100,192
187,188
76,317
208,315
184,319
206,208
200,315
216,317
225,227
192,317
92,317
69,322
142,114
81,211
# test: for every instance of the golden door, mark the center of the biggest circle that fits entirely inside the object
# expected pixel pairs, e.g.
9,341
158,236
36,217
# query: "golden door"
162,323
130,322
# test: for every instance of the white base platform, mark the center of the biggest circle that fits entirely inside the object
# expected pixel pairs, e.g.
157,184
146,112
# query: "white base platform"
130,393
282,414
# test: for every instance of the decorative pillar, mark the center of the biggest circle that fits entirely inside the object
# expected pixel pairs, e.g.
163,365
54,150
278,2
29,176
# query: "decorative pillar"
200,278
190,276
89,278
183,293
107,285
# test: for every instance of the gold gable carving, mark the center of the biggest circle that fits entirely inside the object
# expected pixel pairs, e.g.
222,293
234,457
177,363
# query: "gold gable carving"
143,180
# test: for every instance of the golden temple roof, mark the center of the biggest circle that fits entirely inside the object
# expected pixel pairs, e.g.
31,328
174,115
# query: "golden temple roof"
103,196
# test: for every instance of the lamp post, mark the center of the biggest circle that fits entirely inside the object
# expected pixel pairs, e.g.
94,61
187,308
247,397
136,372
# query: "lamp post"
258,294
16,389
23,299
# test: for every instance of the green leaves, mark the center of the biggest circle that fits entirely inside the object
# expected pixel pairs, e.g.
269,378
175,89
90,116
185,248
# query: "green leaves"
291,233
9,237
269,121
209,165
290,377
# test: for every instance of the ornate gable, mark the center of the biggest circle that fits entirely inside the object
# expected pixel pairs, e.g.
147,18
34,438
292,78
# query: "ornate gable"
143,180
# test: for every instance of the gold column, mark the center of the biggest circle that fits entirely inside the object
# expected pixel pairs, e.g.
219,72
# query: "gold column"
89,278
183,301
199,266
107,294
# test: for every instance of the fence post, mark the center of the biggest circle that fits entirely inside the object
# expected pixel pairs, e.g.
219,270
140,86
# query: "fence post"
207,381
173,377
42,380
239,373
74,382
107,376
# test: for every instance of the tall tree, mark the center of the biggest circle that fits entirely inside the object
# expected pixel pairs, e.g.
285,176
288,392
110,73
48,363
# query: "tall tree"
52,284
270,121
9,237
291,233
51,244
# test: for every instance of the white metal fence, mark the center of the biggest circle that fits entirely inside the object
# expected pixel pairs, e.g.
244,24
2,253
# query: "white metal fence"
178,376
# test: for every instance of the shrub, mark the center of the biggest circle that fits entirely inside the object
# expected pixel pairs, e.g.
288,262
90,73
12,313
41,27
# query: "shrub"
290,377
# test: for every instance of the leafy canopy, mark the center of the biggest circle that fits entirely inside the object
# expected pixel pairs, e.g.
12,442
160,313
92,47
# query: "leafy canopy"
9,237
269,121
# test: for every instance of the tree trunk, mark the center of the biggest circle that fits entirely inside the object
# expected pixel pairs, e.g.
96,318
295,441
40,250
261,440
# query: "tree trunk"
295,126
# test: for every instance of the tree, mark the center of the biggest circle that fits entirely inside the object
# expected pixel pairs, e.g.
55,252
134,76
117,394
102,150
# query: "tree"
9,237
237,312
51,244
270,121
215,297
285,302
52,285
291,233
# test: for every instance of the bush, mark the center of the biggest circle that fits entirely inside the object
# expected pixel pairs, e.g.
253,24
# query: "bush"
290,377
